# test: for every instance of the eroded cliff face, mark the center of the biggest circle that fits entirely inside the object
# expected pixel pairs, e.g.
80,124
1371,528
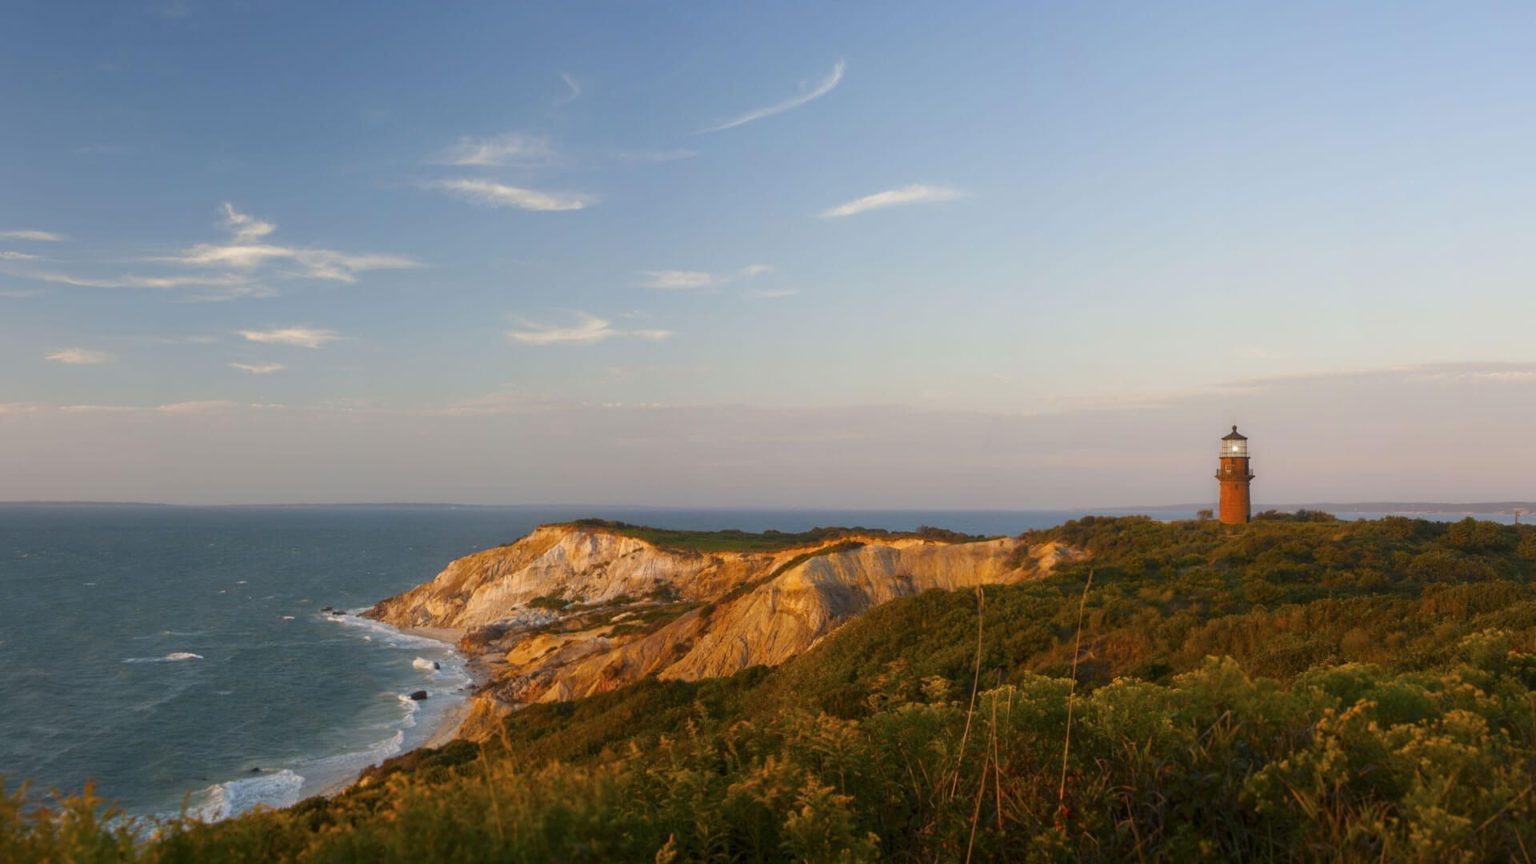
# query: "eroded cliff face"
570,611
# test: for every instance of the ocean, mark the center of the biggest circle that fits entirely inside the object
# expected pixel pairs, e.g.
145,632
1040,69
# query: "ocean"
181,658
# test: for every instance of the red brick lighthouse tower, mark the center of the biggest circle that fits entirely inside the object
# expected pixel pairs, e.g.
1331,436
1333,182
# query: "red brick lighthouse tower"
1236,509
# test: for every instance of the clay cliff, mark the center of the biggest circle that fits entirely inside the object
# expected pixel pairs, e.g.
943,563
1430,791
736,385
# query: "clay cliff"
572,610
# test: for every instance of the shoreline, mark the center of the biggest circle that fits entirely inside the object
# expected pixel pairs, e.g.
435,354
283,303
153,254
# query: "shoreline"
446,726
432,722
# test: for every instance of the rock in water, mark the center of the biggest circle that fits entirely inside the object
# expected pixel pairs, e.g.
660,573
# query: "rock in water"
418,695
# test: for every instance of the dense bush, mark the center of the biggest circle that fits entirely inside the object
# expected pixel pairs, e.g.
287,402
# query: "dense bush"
1297,690
732,540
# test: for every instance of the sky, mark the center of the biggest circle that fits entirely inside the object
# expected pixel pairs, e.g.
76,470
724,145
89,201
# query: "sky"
975,255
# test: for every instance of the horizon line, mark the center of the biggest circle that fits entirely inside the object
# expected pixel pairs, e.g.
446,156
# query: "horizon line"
1343,506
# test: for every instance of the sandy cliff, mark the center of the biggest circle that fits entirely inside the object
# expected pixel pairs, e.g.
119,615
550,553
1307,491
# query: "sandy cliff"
572,610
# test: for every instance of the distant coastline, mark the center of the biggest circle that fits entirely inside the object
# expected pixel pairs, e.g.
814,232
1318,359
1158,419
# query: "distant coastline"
1405,507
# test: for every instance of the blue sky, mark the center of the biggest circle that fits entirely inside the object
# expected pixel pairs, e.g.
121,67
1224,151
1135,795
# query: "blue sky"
982,254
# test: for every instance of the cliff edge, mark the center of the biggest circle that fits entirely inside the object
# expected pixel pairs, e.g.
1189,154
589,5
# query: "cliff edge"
576,609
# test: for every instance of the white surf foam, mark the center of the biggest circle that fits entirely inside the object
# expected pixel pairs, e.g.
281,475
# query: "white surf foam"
385,633
173,657
327,774
411,707
223,800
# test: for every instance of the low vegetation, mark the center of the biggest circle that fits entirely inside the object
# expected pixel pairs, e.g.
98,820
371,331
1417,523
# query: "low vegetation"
1301,689
751,541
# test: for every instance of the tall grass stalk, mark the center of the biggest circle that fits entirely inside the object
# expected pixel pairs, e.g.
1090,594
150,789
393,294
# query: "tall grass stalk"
1066,742
970,713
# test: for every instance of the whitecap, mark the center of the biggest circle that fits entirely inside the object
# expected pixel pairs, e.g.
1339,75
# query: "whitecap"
173,657
224,800
411,707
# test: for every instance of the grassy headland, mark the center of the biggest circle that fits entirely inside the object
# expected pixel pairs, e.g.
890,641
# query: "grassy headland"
1300,689
754,541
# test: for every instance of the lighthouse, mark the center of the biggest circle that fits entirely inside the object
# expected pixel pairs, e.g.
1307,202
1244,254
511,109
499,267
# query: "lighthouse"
1236,509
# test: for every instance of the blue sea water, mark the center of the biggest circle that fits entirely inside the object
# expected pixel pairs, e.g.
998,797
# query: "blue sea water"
179,657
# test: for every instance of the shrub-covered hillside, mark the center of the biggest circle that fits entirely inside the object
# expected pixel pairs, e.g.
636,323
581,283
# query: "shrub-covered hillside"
1301,689
752,541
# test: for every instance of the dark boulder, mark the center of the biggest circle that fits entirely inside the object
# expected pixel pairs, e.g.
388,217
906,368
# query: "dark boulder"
419,695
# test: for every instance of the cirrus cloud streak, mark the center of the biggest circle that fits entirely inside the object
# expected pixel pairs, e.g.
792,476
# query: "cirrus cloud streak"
917,193
492,194
258,368
816,91
80,357
300,337
588,330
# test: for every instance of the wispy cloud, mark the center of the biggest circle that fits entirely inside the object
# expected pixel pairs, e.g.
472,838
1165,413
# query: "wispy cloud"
18,295
493,194
8,255
245,228
809,92
771,293
259,368
234,269
693,280
97,409
678,280
510,149
246,252
914,194
588,330
206,281
81,357
302,337
573,88
32,234
204,406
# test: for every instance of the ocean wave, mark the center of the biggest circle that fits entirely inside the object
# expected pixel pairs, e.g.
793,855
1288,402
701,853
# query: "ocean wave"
173,657
385,633
223,800
411,707
341,768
